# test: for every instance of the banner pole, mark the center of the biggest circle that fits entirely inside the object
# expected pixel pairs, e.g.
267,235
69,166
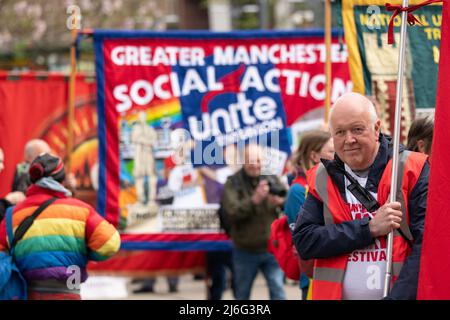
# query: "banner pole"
71,102
396,142
327,60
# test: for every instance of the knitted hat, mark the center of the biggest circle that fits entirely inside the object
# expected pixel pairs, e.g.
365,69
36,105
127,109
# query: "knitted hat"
46,165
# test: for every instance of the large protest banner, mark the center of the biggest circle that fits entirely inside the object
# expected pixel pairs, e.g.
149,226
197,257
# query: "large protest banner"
373,62
173,107
34,105
43,115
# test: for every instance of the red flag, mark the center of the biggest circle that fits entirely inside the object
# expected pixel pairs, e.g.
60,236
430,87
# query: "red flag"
434,276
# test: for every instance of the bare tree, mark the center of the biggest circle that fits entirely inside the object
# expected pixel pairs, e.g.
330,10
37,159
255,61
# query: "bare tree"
42,23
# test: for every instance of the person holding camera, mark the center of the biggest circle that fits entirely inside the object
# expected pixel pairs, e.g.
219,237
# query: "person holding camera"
251,203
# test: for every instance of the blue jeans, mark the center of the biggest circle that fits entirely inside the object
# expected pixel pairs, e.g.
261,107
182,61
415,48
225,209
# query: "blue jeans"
246,266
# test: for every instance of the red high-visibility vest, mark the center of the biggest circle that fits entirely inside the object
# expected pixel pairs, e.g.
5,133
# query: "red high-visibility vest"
329,272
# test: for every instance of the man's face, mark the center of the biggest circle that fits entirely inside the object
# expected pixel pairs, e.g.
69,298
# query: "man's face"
355,137
252,165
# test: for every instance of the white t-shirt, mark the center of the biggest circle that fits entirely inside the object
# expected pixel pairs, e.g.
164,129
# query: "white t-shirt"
366,268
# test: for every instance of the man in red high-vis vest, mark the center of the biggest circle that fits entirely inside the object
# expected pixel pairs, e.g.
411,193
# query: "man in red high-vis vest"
347,241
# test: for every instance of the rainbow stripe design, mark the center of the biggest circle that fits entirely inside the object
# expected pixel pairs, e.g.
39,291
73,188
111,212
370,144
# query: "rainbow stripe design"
155,113
68,233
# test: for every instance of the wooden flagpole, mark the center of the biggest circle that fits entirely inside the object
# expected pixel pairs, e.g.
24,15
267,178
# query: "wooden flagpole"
71,102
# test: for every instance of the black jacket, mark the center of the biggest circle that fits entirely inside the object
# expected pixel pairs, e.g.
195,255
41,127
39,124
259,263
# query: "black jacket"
315,240
21,180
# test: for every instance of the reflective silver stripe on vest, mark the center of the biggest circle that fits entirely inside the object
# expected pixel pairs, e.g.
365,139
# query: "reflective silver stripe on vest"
399,195
328,274
322,191
396,268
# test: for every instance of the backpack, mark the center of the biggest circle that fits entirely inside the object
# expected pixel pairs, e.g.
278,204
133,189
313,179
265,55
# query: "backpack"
283,249
13,285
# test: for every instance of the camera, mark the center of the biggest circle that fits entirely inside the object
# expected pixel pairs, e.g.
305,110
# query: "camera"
275,188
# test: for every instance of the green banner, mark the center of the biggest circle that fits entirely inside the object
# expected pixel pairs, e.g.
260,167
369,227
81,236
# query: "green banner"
380,60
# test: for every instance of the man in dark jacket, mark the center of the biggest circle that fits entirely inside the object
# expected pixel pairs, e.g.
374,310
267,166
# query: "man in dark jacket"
32,149
363,152
21,182
251,209
11,198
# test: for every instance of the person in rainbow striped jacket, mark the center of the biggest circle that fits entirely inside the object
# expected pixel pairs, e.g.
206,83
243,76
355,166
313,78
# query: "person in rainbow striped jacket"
54,251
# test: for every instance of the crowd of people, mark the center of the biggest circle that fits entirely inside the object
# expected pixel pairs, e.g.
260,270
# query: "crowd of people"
335,198
338,209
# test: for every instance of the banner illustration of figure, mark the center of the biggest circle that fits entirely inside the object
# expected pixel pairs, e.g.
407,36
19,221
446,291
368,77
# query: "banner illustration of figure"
144,137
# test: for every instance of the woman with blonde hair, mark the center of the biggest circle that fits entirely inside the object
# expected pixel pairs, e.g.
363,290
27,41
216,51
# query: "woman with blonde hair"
314,145
420,135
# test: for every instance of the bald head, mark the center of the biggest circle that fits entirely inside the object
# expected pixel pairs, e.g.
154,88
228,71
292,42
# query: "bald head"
252,160
350,103
34,148
355,128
